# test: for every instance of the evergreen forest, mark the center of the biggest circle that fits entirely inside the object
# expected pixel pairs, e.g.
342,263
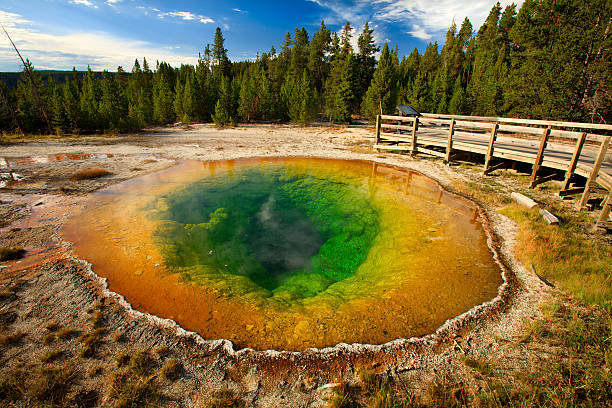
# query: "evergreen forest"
548,59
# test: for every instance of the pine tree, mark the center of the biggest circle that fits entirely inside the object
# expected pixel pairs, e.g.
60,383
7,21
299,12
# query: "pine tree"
343,100
219,53
383,89
70,100
178,99
163,100
189,102
224,108
458,101
56,108
366,62
90,95
300,103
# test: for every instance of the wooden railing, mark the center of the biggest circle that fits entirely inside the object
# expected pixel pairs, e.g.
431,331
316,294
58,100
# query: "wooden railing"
574,148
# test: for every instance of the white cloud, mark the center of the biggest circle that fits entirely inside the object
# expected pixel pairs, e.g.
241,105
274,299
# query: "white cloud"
425,19
422,19
101,50
237,10
184,15
112,3
84,3
419,32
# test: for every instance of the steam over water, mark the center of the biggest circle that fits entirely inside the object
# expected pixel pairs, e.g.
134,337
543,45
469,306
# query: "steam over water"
290,253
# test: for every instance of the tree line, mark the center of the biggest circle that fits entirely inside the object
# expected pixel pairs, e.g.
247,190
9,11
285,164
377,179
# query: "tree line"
548,60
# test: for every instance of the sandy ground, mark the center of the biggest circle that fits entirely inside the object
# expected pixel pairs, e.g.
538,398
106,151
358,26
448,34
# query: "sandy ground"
51,290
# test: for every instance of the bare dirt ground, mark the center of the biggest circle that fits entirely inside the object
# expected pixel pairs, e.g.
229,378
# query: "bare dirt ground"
56,313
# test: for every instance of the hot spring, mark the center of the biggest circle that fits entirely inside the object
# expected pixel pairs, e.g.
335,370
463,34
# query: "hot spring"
289,253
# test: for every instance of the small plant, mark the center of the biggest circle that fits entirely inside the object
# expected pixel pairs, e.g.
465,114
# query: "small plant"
67,333
96,319
481,366
141,363
122,359
117,336
48,339
129,391
51,385
370,381
11,339
224,399
90,174
162,351
11,254
51,356
341,397
52,326
171,369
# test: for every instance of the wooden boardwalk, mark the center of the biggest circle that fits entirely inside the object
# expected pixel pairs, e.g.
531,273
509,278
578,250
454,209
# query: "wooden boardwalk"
577,149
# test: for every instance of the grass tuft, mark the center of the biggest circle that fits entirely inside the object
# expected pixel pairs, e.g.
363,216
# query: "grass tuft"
224,399
129,391
171,370
141,363
68,333
341,398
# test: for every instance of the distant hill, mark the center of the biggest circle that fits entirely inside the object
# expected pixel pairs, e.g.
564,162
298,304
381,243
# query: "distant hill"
11,78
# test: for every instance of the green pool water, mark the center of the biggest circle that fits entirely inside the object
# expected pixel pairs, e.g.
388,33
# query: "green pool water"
283,230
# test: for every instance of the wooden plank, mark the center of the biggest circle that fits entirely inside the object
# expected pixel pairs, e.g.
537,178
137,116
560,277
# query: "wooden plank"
575,125
538,160
432,152
483,136
523,200
391,126
548,217
472,125
605,211
396,147
415,128
400,118
520,129
377,129
603,148
489,155
386,137
449,145
571,191
572,166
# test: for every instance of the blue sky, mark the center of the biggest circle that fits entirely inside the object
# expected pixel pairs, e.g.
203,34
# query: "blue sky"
60,34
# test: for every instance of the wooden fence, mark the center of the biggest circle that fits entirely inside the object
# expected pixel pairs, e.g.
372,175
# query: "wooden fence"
577,149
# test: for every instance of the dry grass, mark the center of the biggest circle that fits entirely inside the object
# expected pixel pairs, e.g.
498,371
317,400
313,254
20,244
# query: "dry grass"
11,340
11,254
565,255
90,174
68,333
224,399
171,370
130,391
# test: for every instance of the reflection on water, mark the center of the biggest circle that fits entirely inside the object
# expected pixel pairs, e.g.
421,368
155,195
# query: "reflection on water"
289,253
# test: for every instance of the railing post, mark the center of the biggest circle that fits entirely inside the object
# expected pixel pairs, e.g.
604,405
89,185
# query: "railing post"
449,145
603,148
377,130
574,162
540,156
492,140
605,211
415,127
